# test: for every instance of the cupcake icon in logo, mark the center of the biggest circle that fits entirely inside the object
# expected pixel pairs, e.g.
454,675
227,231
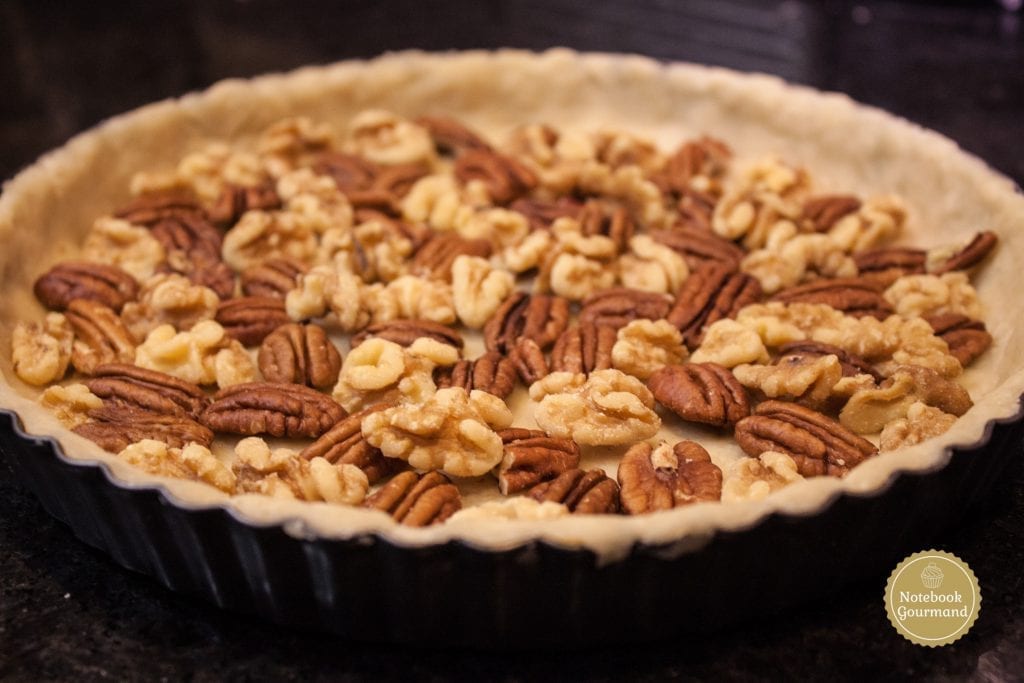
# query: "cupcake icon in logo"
931,576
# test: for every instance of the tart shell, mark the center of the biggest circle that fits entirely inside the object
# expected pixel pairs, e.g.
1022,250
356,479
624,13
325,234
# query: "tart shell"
510,585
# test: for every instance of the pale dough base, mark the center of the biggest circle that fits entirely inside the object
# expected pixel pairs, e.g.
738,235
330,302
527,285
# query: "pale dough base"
47,209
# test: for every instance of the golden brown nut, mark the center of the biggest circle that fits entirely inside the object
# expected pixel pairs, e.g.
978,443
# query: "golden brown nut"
491,372
277,410
971,254
698,246
617,307
505,178
664,477
528,360
583,493
532,457
817,444
853,296
300,354
235,200
69,280
450,135
115,427
821,212
405,332
158,392
701,392
249,319
584,348
344,443
967,339
712,292
417,500
100,336
538,317
272,278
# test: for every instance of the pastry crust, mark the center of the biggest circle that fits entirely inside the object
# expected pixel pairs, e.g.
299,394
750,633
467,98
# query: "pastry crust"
48,208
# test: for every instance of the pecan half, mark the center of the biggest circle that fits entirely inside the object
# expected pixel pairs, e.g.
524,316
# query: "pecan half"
698,246
967,339
405,332
852,364
417,500
148,208
344,444
700,392
491,372
541,213
115,427
532,457
885,266
350,172
665,477
818,444
451,136
157,392
856,296
604,218
193,247
584,348
379,201
257,408
504,177
696,210
434,259
272,278
528,360
540,317
100,336
585,493
109,285
712,292
249,319
396,181
619,306
705,156
299,354
822,212
235,200
971,255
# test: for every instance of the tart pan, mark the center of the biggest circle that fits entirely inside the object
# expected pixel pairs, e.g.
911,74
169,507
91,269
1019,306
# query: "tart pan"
511,585
536,595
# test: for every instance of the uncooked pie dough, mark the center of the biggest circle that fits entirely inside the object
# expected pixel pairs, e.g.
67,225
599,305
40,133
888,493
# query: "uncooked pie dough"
473,303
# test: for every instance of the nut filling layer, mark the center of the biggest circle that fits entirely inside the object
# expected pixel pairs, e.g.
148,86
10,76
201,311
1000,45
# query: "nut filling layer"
413,318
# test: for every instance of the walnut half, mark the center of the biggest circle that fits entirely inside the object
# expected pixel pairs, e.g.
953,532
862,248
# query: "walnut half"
452,430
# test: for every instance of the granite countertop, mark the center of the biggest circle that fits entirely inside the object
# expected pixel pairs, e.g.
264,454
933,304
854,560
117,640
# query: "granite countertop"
67,611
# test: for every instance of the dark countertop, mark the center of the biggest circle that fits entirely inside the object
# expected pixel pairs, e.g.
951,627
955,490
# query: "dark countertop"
67,611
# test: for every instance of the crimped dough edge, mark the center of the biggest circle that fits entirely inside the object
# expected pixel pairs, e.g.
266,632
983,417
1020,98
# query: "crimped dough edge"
49,206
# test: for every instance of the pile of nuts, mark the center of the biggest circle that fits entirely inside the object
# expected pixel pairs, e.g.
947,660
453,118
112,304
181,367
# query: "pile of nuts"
621,286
